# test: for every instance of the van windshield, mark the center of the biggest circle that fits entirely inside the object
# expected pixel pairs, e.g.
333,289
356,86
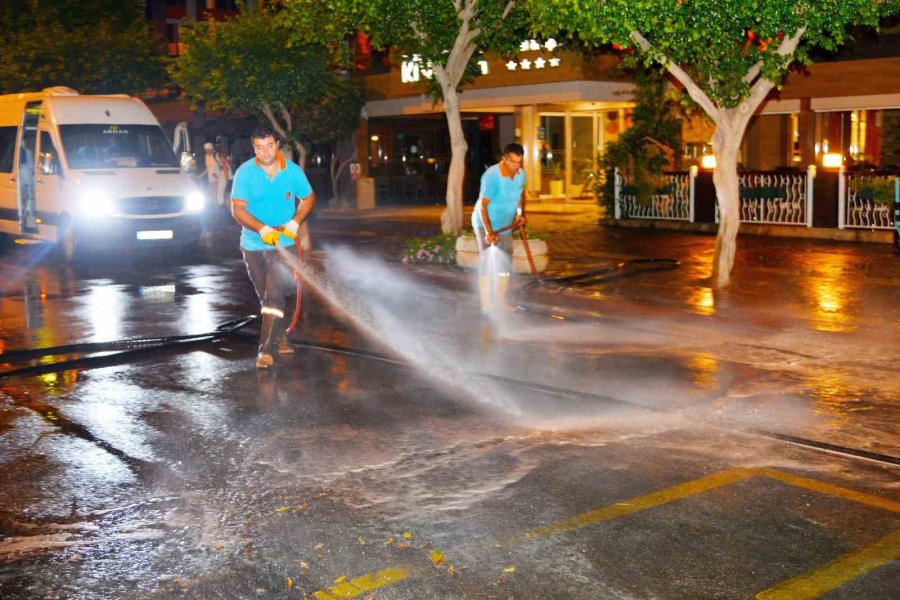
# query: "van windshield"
116,146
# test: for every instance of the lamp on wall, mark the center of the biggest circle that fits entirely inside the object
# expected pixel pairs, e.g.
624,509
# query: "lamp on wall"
708,162
832,160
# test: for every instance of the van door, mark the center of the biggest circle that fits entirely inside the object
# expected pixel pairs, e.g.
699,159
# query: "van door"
9,194
48,184
28,167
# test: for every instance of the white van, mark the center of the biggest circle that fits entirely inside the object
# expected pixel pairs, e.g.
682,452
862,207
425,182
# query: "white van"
91,173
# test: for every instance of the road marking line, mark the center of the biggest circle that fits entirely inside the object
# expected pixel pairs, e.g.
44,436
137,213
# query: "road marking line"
366,583
830,489
634,505
837,572
833,574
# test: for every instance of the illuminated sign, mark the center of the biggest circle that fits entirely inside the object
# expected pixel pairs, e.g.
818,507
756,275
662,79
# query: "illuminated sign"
526,64
413,70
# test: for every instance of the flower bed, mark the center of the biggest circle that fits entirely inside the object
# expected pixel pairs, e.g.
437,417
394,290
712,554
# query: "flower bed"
437,250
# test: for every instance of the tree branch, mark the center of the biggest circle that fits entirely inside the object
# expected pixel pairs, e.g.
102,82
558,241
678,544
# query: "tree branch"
287,117
787,48
678,73
753,72
507,9
761,88
463,47
418,32
270,114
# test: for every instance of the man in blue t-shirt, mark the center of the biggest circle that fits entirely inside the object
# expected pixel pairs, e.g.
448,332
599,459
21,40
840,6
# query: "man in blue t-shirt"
271,198
501,204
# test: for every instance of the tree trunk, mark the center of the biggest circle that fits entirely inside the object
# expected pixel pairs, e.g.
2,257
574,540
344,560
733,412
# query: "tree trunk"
731,123
452,218
725,178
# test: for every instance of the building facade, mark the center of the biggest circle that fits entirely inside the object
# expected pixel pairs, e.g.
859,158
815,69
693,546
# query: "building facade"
564,108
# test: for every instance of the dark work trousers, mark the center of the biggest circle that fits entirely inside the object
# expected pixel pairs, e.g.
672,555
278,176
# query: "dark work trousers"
271,277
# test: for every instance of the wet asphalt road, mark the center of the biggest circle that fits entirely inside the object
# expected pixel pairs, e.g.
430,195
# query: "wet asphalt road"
409,449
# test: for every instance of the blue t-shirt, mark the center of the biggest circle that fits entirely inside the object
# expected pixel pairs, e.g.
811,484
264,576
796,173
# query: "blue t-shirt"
504,195
269,200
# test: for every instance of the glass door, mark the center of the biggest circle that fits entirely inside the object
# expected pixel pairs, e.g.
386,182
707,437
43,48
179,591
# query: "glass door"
581,169
552,145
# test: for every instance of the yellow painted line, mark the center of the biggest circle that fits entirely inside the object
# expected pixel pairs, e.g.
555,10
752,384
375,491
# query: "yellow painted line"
836,573
641,503
831,575
830,489
366,583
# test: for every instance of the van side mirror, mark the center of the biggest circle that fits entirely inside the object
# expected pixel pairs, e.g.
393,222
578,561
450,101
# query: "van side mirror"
187,162
49,164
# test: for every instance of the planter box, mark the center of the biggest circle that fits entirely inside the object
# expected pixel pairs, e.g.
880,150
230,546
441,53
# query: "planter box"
556,188
467,254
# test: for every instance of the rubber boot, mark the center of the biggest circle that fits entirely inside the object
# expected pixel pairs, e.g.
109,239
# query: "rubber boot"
484,293
268,333
284,344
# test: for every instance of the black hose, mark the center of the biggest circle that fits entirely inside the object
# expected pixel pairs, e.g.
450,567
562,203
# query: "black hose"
618,271
122,348
233,328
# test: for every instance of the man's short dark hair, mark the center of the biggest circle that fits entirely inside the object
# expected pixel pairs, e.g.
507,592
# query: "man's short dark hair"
514,148
262,131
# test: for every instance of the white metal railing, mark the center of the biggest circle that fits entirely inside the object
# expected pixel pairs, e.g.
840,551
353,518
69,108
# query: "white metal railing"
866,201
676,203
774,198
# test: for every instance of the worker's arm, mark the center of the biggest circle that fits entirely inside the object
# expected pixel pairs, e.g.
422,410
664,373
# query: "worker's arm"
489,236
292,227
521,219
304,208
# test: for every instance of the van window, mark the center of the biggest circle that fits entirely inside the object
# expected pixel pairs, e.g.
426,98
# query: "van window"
47,149
7,148
116,146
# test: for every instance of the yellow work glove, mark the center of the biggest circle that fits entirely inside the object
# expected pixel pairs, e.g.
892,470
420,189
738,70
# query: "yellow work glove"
291,228
269,235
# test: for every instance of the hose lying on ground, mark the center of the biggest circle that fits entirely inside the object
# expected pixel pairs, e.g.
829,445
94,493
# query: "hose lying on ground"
119,348
618,271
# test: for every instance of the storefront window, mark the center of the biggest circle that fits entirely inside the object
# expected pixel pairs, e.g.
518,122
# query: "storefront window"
552,141
583,161
865,138
568,147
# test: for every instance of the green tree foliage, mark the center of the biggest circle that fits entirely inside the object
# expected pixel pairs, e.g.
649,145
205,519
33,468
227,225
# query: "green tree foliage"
445,34
650,145
94,46
333,119
252,64
728,55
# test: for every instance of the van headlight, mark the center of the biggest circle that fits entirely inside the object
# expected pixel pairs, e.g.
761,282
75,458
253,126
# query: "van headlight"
195,202
96,203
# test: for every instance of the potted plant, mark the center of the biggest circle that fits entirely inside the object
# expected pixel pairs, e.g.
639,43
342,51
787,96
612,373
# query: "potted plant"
556,184
584,171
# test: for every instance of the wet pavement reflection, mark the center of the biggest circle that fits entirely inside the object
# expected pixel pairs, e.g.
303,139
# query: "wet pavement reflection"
188,473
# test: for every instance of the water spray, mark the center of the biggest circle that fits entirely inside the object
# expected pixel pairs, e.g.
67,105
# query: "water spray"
350,309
